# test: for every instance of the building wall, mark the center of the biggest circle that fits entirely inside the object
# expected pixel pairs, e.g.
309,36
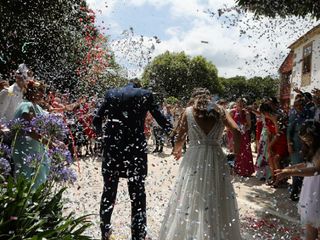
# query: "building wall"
297,66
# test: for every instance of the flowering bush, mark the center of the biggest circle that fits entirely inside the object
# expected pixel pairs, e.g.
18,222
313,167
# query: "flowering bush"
5,155
5,167
38,214
18,124
61,161
51,127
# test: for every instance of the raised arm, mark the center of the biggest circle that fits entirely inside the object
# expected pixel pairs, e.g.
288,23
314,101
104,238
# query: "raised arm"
301,170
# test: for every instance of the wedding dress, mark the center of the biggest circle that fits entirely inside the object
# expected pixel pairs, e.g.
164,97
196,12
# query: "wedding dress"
203,203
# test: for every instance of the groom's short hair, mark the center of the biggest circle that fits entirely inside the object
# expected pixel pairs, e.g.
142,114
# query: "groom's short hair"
136,82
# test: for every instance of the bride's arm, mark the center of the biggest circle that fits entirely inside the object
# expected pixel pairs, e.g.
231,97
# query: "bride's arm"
181,137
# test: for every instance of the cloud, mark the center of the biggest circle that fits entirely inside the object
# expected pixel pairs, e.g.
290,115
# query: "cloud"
185,8
236,43
103,8
221,46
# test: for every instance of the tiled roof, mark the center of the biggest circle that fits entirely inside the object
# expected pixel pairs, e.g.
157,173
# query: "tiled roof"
305,37
286,66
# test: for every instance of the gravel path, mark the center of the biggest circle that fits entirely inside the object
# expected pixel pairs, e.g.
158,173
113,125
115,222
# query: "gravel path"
257,203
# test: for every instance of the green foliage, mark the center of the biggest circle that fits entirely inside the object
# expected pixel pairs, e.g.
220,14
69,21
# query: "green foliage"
49,35
176,74
252,89
283,8
233,87
263,87
36,214
171,100
103,82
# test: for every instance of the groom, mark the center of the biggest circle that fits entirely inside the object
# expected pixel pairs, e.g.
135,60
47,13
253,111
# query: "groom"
125,151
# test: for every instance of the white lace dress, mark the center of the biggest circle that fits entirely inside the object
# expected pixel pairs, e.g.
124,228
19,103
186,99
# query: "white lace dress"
203,203
309,203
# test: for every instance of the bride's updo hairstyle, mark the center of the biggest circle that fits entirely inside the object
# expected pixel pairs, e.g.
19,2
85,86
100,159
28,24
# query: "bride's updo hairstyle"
200,99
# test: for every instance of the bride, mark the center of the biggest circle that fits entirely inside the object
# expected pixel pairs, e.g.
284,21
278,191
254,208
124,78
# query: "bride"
203,203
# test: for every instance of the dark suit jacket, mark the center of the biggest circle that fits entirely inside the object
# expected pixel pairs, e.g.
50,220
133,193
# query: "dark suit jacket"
124,140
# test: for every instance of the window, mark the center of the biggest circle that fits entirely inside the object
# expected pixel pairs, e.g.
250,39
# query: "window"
306,65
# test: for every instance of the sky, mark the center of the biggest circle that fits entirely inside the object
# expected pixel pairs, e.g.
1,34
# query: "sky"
237,43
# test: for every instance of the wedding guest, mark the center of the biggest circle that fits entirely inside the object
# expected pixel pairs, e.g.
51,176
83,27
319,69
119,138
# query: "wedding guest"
244,161
278,147
263,171
316,100
11,97
31,143
309,202
297,118
170,117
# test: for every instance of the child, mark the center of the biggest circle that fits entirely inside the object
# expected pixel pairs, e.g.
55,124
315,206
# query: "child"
309,203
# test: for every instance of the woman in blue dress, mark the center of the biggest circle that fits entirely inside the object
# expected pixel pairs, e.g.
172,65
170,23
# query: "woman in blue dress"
30,145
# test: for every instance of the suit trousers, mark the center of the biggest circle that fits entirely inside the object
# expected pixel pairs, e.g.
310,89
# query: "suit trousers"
136,187
159,137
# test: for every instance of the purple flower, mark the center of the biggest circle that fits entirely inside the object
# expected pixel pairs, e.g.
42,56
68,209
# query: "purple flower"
3,123
63,174
33,159
5,167
61,170
39,123
50,125
59,156
4,150
19,124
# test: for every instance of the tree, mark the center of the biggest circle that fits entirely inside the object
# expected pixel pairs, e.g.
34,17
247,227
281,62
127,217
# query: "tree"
283,8
100,70
263,87
56,38
233,87
252,89
176,74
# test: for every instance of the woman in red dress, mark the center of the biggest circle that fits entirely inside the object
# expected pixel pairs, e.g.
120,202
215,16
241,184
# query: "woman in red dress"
244,161
277,147
147,125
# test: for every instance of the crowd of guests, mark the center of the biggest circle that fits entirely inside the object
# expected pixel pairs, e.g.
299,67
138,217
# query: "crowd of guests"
267,128
273,132
28,99
286,141
287,145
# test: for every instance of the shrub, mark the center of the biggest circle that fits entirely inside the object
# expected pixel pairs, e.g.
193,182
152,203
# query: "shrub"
27,213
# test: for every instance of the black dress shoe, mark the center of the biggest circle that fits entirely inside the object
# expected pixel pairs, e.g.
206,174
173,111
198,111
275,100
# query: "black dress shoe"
294,198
